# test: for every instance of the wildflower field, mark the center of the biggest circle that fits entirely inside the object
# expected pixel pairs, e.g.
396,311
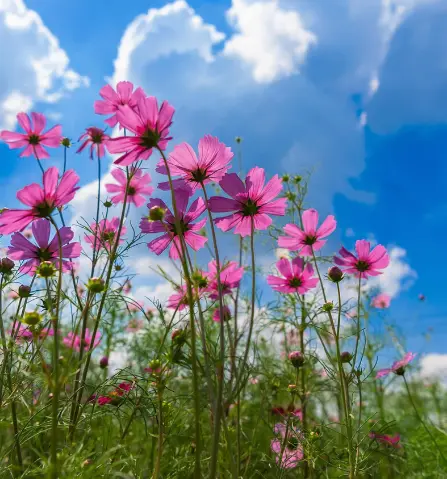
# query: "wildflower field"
216,382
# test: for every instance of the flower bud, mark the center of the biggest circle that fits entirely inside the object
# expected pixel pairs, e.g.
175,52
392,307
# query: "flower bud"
292,388
238,139
96,285
31,318
296,358
297,179
328,307
156,213
108,204
24,291
290,196
155,367
6,265
46,269
345,357
285,178
66,142
335,274
104,362
178,336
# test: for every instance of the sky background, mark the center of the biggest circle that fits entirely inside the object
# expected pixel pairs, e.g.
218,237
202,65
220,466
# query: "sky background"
353,90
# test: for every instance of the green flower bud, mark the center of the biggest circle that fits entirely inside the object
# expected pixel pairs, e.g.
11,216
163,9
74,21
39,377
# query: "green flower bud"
46,269
156,213
31,318
96,285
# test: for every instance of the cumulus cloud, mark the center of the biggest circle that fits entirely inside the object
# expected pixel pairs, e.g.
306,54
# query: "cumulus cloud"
34,54
434,366
174,28
272,41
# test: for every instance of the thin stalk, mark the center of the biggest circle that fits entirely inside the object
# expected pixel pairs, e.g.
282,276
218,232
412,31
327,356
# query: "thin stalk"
410,397
303,382
221,365
156,473
8,376
96,232
55,399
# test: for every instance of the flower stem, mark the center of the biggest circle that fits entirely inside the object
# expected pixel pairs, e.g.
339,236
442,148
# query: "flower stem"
156,473
96,232
410,397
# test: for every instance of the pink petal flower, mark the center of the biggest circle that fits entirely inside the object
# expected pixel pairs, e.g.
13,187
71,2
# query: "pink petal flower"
33,138
137,190
104,234
381,301
251,202
96,139
296,278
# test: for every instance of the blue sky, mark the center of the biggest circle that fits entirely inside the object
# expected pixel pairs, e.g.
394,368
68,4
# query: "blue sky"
355,90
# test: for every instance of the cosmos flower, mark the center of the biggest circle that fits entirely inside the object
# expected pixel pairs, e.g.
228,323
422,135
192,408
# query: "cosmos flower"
137,189
251,202
167,225
291,454
42,201
45,250
96,139
311,237
34,139
73,341
150,126
381,301
366,263
296,278
226,314
105,233
398,367
113,100
230,277
210,165
386,439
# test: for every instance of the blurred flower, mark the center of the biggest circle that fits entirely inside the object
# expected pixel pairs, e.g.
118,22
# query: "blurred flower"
393,441
137,188
398,367
96,138
105,233
287,447
226,312
73,341
381,301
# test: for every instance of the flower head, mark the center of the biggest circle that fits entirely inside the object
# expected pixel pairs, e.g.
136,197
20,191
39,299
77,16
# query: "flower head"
226,314
287,447
381,301
398,367
230,277
42,201
34,139
251,202
168,227
210,166
179,299
150,126
44,250
104,233
366,263
296,278
113,100
311,237
74,341
137,188
96,138
386,439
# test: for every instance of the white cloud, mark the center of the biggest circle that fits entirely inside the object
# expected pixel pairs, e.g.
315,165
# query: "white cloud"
273,41
174,28
36,68
160,292
434,366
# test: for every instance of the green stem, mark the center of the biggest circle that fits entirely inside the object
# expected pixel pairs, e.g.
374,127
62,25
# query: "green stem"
96,232
422,421
156,473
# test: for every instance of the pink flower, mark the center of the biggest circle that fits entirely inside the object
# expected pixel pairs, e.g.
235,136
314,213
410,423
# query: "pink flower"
73,341
251,202
43,201
309,239
297,278
226,313
105,233
25,334
97,139
211,165
230,278
179,299
398,367
113,100
33,138
292,453
33,255
368,263
381,301
421,297
103,400
150,126
136,190
167,226
386,439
